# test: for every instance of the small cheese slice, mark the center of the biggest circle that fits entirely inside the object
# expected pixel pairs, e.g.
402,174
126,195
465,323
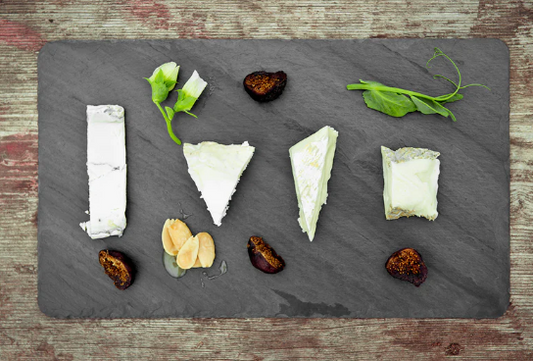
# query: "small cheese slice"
106,167
411,182
216,169
312,160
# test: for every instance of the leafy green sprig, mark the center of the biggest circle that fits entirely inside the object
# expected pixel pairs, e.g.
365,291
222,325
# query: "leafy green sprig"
163,80
397,102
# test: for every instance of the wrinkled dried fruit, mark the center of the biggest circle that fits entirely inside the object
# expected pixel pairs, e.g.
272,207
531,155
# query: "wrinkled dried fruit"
188,253
263,86
263,257
407,265
117,267
175,234
206,252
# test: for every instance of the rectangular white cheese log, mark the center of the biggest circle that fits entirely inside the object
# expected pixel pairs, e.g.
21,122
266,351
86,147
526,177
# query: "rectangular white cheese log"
106,167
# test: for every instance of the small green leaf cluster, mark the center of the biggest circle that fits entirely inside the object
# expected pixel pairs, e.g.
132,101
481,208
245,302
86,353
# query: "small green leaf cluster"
162,81
397,102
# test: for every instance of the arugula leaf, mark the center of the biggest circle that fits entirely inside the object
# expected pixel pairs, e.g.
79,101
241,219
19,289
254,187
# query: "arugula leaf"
393,104
427,106
397,102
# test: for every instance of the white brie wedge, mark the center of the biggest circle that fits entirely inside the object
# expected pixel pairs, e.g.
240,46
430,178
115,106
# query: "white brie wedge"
216,169
411,182
106,167
312,160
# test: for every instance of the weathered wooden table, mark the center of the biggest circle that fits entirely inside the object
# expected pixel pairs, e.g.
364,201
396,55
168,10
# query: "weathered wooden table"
26,334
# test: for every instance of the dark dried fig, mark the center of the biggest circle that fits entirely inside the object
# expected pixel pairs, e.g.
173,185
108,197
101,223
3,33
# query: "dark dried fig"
117,267
263,86
263,257
407,265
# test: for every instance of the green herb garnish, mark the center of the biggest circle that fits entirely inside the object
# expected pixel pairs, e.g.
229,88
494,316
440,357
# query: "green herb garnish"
163,80
397,102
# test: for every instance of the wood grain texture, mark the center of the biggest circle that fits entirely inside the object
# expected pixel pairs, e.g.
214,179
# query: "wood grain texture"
26,334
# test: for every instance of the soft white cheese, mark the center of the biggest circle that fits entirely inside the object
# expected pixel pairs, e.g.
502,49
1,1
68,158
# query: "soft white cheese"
106,167
312,160
411,182
216,169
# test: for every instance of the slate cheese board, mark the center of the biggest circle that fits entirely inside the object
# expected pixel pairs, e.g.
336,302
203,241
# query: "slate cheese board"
341,273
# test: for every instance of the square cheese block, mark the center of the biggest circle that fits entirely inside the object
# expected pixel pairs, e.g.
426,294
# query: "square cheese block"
312,160
106,167
411,182
216,170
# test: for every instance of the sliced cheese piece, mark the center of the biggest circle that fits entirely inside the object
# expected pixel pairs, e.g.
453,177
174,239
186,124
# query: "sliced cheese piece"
106,167
312,160
410,182
216,169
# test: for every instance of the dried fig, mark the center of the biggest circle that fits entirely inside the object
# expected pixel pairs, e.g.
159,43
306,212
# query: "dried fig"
263,86
407,265
117,267
206,252
188,253
263,257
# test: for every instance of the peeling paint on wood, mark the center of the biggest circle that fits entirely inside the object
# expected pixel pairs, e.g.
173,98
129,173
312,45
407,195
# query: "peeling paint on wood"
19,35
25,333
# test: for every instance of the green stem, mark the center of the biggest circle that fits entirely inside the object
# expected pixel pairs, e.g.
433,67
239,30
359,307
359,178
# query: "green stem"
191,114
388,89
455,85
169,125
438,53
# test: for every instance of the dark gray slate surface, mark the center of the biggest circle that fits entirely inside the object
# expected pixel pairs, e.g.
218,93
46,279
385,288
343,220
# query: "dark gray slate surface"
340,274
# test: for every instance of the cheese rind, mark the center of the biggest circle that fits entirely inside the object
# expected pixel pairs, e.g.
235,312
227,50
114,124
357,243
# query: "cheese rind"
312,160
106,168
216,170
410,182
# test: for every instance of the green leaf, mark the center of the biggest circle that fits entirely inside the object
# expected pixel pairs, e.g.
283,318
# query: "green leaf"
393,104
184,102
427,106
170,112
159,88
170,84
191,114
159,92
159,77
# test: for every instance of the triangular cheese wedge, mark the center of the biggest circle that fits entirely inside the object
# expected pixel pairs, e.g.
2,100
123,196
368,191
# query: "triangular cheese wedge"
312,160
216,170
